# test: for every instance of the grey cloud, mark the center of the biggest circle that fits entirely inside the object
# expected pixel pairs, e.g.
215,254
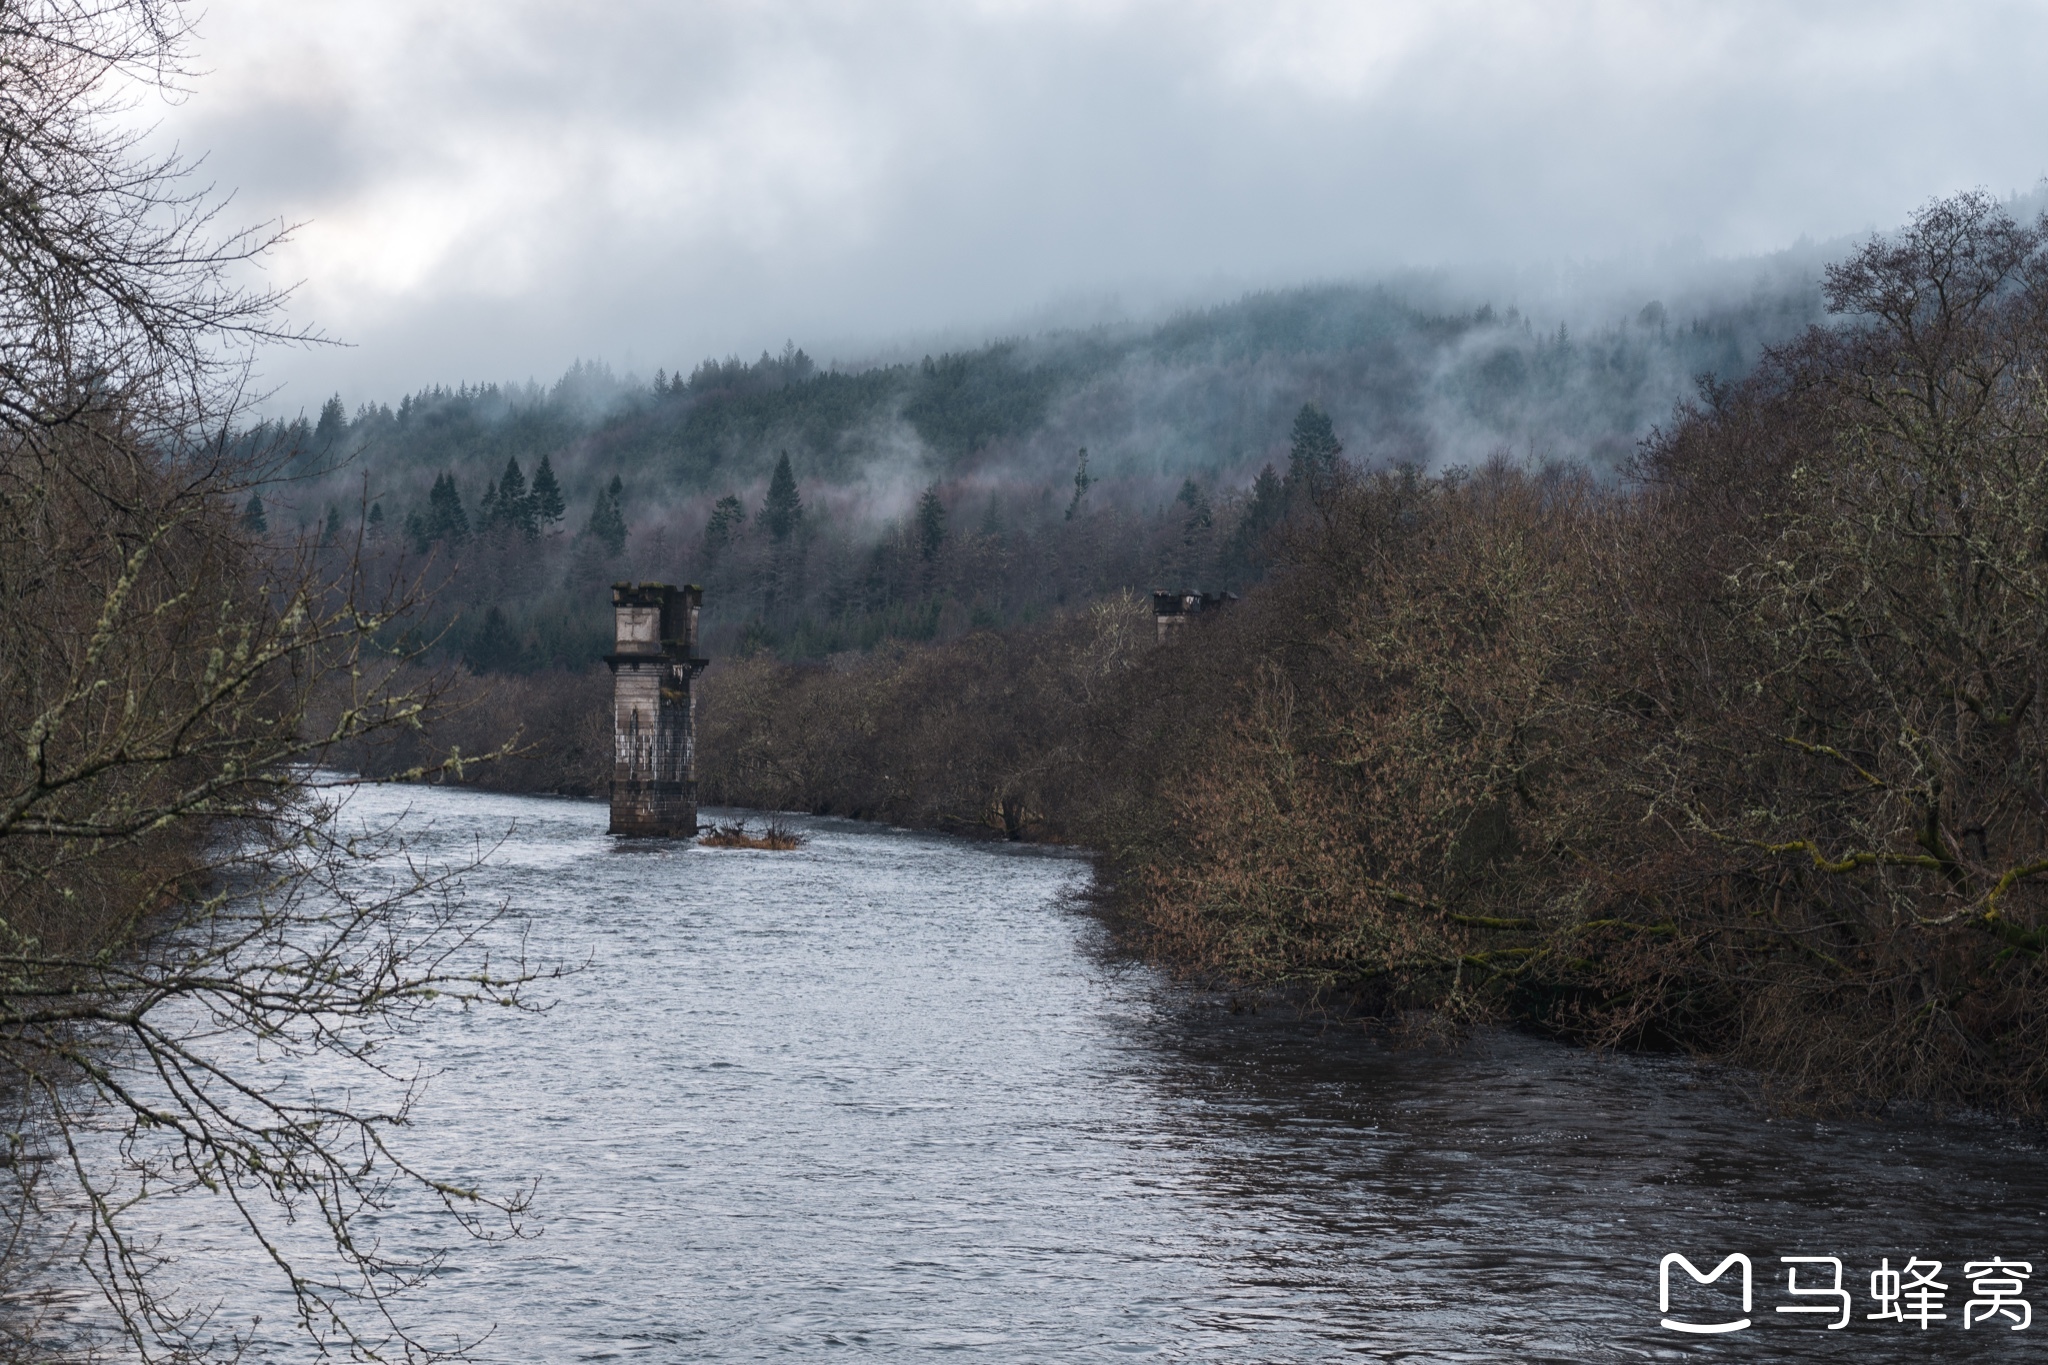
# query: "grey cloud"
496,189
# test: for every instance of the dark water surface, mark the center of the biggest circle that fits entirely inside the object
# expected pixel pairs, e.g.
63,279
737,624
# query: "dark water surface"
889,1095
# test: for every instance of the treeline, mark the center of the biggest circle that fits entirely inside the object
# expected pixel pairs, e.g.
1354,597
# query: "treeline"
769,565
516,591
975,489
1743,756
1411,377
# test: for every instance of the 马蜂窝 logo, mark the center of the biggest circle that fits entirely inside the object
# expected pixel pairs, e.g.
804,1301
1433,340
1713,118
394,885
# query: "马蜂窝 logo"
1909,1296
1704,1328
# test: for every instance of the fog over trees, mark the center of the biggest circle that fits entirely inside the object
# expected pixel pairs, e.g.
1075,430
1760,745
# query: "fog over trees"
979,487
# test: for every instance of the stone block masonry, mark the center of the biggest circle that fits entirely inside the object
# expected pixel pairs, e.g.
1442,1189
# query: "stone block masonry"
654,667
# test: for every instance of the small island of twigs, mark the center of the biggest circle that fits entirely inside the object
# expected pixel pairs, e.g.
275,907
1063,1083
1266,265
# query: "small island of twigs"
776,836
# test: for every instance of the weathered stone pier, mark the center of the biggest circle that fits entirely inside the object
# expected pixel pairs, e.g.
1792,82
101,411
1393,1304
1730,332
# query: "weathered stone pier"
654,666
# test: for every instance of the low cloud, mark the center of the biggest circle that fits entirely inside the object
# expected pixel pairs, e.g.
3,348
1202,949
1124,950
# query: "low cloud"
491,190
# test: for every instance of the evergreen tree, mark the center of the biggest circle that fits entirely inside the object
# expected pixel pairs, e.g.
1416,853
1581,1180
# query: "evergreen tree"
1246,551
492,646
726,519
515,505
331,534
1312,454
607,525
548,506
294,442
1081,485
783,509
252,515
373,525
445,519
1199,518
931,524
333,424
1269,499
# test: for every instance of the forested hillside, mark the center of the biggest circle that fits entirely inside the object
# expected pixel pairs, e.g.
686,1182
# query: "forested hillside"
980,487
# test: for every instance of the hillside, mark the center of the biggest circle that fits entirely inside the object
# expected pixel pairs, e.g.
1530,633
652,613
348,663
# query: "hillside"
952,491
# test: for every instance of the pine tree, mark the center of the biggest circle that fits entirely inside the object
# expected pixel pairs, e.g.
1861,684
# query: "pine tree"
783,510
515,505
445,520
1268,505
1312,454
252,515
1199,518
931,524
331,534
726,519
333,424
607,525
297,441
1268,500
373,525
548,506
1081,485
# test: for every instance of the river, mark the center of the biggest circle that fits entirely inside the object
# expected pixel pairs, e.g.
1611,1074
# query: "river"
893,1094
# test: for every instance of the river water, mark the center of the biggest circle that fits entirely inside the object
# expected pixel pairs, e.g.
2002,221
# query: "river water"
892,1095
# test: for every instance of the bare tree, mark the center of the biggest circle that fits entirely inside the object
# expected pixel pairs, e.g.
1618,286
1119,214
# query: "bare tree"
174,888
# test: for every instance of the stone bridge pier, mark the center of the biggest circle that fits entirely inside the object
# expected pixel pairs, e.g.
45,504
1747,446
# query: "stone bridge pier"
654,667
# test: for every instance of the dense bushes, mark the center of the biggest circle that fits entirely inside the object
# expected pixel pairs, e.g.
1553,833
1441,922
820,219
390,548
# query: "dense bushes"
986,732
545,732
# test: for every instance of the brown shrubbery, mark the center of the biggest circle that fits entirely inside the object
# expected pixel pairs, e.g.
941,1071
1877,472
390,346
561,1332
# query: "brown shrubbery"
985,733
546,732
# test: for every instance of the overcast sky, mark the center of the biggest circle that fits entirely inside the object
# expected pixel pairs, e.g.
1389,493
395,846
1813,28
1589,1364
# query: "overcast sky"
493,189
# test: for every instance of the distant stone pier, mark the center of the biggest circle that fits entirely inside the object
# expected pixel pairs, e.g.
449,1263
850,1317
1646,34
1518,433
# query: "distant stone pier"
654,751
